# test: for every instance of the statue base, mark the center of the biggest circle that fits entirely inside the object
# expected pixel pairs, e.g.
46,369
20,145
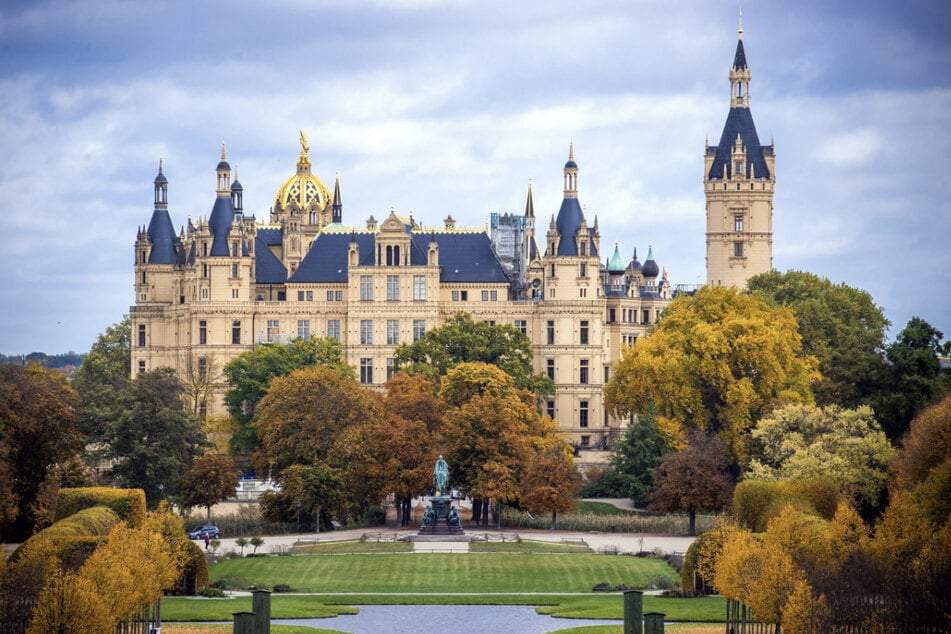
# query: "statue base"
439,523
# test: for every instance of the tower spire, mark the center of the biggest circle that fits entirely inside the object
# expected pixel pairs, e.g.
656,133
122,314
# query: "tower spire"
337,209
740,30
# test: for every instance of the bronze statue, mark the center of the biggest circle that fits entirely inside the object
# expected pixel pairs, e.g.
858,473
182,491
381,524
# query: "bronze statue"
441,475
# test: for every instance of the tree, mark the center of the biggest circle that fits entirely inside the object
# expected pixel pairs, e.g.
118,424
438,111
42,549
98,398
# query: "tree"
715,361
250,375
200,377
154,439
210,479
925,447
309,493
804,442
462,340
550,484
841,326
916,377
39,414
104,373
637,454
491,430
693,480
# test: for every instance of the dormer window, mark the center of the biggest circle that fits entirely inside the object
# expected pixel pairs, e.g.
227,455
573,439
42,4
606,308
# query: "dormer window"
584,247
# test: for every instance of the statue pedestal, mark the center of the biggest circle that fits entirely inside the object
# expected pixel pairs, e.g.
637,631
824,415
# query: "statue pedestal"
437,525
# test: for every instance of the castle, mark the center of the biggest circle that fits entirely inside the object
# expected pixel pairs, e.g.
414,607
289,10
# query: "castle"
227,283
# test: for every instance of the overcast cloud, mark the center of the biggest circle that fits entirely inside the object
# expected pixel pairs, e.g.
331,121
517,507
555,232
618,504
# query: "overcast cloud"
450,107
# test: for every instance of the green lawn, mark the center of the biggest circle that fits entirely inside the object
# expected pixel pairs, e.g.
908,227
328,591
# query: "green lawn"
468,573
352,547
528,546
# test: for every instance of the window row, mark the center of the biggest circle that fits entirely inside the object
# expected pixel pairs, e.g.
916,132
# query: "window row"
463,296
392,288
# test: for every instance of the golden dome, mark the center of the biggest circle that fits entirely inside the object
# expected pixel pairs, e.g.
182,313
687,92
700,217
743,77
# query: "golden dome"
303,188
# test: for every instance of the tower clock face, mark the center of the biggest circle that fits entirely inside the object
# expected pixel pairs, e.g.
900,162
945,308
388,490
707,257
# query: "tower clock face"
536,283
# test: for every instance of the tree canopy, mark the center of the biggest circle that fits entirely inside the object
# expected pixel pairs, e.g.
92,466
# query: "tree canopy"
39,429
250,375
804,442
210,479
105,372
715,361
462,340
841,326
154,439
637,454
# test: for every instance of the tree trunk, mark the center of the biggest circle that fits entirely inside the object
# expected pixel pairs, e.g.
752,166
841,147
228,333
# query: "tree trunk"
692,530
476,511
208,520
485,513
554,516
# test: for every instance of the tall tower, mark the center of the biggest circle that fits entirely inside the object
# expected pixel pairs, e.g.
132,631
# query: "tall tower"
739,180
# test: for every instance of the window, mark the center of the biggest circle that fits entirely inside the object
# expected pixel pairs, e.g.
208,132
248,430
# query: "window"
392,288
236,332
419,329
583,332
303,328
552,270
333,329
551,369
455,296
419,288
583,377
392,332
464,295
366,288
611,315
273,328
234,270
330,296
202,332
141,367
645,316
583,413
339,296
141,335
583,270
366,331
586,441
737,249
310,296
738,223
494,296
583,247
300,296
521,325
485,296
204,270
550,409
607,373
390,368
551,333
366,370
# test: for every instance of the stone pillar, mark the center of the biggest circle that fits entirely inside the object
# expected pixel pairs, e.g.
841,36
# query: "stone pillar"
243,623
261,606
654,623
633,612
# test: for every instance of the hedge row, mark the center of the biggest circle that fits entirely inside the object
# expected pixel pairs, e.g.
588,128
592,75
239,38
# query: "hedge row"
78,535
588,522
755,502
129,504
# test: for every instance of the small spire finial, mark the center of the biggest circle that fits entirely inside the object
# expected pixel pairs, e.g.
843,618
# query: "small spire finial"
160,165
571,150
236,172
740,31
223,157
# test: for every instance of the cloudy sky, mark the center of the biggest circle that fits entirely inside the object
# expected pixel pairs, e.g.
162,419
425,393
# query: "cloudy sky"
441,107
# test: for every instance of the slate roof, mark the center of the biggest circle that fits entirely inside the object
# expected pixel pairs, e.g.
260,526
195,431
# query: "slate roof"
464,257
739,58
567,222
162,236
268,269
219,223
270,236
739,121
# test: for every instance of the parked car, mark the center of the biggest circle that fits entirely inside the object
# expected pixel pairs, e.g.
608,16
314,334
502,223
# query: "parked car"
199,533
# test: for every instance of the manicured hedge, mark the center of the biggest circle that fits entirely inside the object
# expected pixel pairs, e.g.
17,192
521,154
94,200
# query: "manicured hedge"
129,504
78,535
195,573
755,502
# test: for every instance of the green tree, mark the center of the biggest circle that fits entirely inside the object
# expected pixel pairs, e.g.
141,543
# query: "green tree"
462,340
804,442
841,326
104,373
250,375
693,480
310,494
715,362
916,377
154,439
39,430
210,479
637,454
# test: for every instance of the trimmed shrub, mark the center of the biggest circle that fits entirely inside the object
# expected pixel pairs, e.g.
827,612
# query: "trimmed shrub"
755,502
76,536
211,593
195,572
282,587
128,504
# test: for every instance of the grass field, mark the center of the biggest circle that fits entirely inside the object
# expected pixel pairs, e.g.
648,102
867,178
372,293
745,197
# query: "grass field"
421,573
